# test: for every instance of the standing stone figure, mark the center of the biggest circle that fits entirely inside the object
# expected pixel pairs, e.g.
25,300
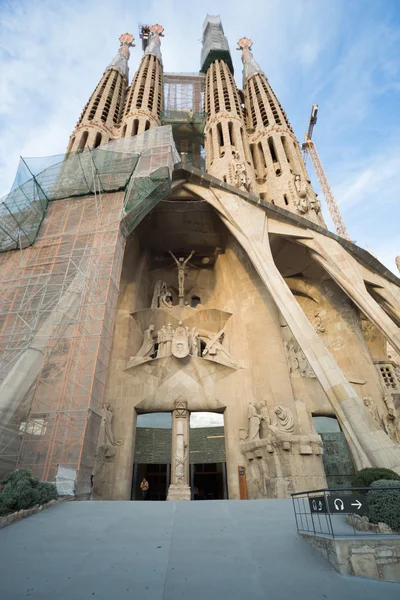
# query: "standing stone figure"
182,271
254,423
372,409
147,346
301,188
106,436
194,342
161,341
265,419
160,289
284,419
169,334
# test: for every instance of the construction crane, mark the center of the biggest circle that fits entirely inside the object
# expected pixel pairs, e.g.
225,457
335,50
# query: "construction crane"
310,150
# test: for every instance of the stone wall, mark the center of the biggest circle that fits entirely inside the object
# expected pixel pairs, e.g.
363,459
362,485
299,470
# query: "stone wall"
372,557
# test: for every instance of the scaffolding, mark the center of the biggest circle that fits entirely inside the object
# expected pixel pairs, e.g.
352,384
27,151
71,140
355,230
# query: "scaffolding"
184,111
58,293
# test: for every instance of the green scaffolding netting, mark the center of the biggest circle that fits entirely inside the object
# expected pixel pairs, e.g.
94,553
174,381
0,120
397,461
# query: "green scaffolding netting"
108,168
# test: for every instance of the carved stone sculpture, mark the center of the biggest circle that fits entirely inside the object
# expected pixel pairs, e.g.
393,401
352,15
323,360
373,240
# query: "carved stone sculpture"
265,420
284,419
169,334
301,188
299,366
106,436
315,204
147,347
241,179
397,261
254,423
318,325
194,342
372,409
181,264
161,341
180,342
160,289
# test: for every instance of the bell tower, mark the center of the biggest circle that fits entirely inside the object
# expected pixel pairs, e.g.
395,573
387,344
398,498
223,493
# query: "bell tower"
281,176
145,95
227,148
102,114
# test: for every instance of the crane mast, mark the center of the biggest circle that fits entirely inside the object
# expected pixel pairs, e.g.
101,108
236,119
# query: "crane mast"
310,150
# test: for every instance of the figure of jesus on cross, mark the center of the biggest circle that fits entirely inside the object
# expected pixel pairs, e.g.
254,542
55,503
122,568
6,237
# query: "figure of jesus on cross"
182,271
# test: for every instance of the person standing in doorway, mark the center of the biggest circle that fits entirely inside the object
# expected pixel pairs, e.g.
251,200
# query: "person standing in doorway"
144,486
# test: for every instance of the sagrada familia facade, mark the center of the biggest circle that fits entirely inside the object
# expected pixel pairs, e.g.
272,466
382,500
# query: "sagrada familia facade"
204,280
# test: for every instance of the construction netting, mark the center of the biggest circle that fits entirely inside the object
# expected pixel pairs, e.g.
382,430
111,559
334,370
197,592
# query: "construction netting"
58,297
107,168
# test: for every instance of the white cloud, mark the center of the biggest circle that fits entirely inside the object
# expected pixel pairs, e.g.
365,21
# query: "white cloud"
206,419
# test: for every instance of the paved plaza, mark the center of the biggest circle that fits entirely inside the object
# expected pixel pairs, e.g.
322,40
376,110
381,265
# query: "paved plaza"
166,551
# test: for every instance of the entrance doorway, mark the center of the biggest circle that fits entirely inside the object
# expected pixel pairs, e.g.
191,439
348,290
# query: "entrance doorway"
152,455
158,476
338,465
207,456
208,481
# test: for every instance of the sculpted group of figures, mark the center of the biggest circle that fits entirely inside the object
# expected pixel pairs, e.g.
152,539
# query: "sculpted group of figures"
261,425
390,421
166,341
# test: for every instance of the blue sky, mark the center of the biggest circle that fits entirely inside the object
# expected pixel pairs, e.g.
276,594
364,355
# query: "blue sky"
343,55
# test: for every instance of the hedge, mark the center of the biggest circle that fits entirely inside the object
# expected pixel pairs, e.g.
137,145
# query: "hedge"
22,491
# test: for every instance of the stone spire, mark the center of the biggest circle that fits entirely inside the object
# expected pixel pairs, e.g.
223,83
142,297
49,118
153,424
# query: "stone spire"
227,148
154,45
281,176
101,117
397,260
120,62
144,98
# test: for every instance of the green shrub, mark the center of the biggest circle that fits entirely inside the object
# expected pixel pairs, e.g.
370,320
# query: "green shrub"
22,491
384,505
365,477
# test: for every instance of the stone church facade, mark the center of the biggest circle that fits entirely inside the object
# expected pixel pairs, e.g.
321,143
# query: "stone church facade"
231,296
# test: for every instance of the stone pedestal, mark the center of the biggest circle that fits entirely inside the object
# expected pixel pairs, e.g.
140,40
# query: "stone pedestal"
179,492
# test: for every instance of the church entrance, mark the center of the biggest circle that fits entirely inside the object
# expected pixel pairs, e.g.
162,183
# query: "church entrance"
338,465
208,481
207,456
158,476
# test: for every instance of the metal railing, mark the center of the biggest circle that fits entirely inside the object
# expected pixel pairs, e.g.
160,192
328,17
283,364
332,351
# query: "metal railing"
338,512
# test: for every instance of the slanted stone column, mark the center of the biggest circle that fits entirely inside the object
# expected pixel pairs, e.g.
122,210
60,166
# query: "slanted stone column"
180,488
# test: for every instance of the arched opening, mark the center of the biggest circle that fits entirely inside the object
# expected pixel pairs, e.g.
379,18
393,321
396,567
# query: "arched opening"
135,126
272,150
220,137
147,126
83,140
97,140
195,301
71,144
123,132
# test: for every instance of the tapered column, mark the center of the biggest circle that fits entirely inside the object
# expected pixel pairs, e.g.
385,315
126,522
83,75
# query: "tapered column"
180,488
101,116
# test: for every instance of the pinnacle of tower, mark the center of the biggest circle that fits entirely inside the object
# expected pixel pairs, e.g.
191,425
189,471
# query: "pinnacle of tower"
250,66
215,44
154,45
120,62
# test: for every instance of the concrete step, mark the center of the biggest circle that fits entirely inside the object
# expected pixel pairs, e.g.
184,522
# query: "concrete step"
166,550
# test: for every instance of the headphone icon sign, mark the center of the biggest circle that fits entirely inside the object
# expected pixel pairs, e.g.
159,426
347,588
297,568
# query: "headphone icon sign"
339,504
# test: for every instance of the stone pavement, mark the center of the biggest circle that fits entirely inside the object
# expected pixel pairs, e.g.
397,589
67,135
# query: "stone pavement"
164,550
